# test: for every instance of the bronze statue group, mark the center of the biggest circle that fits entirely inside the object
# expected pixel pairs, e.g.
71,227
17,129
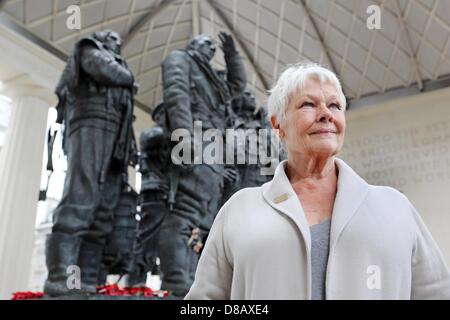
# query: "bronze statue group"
95,226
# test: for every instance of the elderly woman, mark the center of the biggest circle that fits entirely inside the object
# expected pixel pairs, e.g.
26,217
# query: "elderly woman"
317,230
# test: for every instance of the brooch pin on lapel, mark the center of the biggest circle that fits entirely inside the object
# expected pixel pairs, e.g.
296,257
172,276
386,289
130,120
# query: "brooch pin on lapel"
281,198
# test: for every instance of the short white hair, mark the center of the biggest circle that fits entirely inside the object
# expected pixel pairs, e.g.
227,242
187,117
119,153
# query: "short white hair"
292,80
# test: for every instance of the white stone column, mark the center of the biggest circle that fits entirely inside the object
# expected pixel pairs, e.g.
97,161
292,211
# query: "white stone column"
20,174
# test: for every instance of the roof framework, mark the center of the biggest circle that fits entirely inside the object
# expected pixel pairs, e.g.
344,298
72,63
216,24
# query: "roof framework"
411,50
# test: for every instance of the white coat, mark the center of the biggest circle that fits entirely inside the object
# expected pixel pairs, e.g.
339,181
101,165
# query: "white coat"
259,246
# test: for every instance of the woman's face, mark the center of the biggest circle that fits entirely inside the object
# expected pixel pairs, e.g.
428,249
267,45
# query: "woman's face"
314,123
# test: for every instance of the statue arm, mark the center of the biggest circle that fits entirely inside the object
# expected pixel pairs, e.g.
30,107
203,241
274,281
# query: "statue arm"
103,68
236,76
176,86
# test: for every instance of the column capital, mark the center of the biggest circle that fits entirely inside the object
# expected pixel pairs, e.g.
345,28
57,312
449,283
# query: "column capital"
23,87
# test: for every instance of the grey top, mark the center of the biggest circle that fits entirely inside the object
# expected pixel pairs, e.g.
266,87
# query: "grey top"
320,244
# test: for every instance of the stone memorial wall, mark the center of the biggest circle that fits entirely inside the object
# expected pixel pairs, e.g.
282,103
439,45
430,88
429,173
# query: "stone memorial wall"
405,144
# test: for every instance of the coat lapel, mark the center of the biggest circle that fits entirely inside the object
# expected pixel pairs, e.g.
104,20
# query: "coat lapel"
351,191
281,196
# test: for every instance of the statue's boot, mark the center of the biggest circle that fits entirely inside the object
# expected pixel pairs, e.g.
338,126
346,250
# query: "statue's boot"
176,258
90,264
103,274
61,251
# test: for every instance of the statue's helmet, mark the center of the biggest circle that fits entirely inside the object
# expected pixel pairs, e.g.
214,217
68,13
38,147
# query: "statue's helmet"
203,44
248,100
110,39
151,138
158,114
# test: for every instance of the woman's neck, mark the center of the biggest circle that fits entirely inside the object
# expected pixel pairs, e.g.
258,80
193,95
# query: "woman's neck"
301,168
